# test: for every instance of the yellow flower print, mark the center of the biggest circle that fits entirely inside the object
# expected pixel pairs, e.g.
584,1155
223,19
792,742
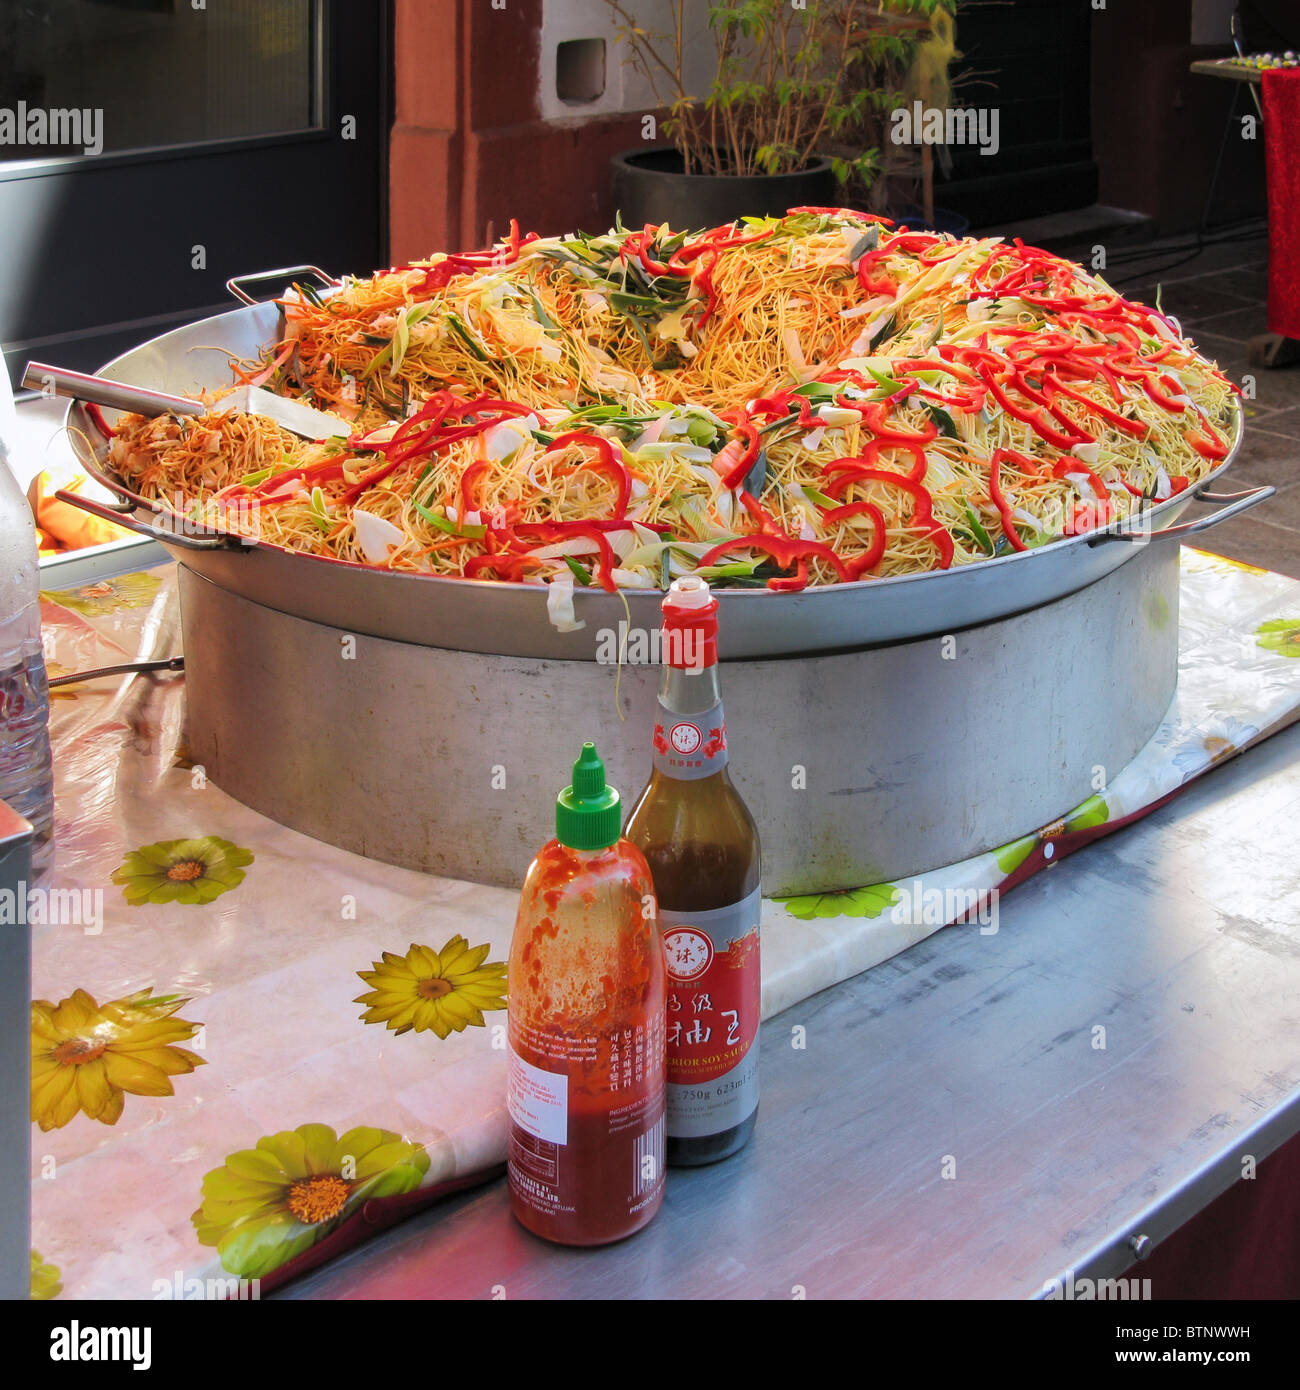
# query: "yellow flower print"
269,1203
445,990
182,871
45,1278
87,1058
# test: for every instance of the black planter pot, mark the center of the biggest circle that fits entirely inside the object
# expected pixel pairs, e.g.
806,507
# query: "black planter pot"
945,220
649,186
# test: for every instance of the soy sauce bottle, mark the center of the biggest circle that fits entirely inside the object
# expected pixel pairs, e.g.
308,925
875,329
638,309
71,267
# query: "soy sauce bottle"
702,847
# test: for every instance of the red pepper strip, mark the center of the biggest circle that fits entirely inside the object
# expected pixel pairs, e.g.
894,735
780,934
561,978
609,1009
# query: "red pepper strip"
406,438
873,417
798,580
639,245
609,463
872,556
1021,380
874,285
436,277
1126,365
1159,355
465,491
327,471
1074,465
444,438
1008,282
514,242
938,534
923,364
1177,485
1084,303
971,354
736,475
1121,422
850,374
1208,445
1105,326
691,251
842,212
1159,397
548,531
461,406
901,395
431,414
910,241
407,443
509,567
702,279
968,404
785,550
766,521
999,253
923,518
1000,501
1087,516
1034,420
97,418
781,403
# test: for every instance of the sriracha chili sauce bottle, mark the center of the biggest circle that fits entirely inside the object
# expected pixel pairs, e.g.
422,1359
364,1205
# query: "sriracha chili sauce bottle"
702,847
586,1023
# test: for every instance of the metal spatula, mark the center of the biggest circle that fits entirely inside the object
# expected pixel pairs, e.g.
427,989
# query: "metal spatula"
293,416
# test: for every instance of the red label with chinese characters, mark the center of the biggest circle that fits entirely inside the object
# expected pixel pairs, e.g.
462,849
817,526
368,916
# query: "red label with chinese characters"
690,746
714,997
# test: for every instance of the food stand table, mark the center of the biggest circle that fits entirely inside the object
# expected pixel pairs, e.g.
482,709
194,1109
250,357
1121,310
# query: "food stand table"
1180,937
949,1123
1279,347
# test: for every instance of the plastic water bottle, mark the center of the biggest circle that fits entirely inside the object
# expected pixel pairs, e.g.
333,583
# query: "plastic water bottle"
26,774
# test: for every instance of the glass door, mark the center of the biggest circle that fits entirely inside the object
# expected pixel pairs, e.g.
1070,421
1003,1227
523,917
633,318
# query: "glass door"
150,149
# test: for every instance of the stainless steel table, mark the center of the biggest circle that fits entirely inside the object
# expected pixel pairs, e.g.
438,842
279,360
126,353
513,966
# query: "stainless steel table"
1180,937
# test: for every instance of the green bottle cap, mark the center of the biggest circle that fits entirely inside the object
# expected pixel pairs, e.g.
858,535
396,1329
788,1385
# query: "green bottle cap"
587,813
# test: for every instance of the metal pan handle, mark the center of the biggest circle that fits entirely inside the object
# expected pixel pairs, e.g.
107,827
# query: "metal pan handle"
156,532
100,390
236,283
1233,504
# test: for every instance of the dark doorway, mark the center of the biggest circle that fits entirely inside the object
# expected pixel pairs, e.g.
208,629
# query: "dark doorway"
154,148
1030,60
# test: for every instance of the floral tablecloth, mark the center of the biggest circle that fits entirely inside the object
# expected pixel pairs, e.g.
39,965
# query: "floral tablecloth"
250,1049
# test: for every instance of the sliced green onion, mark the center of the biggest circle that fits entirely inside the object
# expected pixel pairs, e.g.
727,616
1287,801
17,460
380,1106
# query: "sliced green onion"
444,523
319,510
978,529
580,572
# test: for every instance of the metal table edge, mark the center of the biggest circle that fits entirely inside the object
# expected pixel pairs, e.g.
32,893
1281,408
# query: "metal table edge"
1116,1255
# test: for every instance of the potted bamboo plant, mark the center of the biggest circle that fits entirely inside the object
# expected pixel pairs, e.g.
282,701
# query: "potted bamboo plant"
792,89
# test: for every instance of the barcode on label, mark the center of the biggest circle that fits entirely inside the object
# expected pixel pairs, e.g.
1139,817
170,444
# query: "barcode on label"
648,1156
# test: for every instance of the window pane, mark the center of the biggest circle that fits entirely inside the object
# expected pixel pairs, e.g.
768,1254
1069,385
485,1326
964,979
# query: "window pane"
81,76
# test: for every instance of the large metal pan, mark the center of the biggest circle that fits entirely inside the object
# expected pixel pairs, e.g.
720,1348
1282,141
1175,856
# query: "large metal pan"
511,619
